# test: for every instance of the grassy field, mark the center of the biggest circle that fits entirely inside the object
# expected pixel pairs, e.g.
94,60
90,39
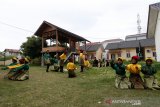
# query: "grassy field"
93,88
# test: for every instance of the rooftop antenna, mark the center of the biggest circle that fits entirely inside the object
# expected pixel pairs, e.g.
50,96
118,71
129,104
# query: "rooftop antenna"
138,24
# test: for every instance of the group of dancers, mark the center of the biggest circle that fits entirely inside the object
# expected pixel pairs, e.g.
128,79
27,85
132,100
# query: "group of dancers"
71,67
135,81
18,69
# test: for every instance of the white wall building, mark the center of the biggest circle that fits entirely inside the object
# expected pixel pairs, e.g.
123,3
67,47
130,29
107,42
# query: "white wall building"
12,52
105,43
153,28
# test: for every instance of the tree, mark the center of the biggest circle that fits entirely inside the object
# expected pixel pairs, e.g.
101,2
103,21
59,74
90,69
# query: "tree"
32,47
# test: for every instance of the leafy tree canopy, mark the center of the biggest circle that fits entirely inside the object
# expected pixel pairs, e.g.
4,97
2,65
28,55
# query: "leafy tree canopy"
32,47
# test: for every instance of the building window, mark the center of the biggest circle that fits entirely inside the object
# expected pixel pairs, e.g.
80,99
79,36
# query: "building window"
128,55
92,56
154,54
119,54
148,51
113,57
107,56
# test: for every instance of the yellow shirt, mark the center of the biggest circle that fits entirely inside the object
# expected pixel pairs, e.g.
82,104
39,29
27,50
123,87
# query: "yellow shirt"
71,66
134,68
63,56
86,63
81,56
15,66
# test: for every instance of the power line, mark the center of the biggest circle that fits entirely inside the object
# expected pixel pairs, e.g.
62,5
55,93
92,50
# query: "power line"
95,38
16,27
33,32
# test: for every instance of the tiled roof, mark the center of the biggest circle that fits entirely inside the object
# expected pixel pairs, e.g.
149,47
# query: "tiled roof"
147,42
112,46
92,46
12,50
124,44
131,44
152,19
110,40
136,35
156,6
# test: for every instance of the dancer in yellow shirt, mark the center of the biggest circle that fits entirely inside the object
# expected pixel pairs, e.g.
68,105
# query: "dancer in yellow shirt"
149,71
87,65
135,69
62,58
71,69
81,56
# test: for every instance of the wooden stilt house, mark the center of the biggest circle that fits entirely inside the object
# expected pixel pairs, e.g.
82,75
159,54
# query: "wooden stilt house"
58,39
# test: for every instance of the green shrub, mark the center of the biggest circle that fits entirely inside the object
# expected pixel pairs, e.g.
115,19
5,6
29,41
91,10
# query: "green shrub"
36,61
157,66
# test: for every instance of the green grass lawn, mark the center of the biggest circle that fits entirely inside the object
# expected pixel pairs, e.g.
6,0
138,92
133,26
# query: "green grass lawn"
53,89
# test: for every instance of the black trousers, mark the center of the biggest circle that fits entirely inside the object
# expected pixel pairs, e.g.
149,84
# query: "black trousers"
71,74
82,68
61,68
47,67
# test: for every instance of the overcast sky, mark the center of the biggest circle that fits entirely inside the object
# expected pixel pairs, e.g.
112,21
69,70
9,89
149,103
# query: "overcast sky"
96,20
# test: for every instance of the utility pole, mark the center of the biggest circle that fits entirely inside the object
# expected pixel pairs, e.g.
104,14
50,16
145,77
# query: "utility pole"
4,56
139,32
138,24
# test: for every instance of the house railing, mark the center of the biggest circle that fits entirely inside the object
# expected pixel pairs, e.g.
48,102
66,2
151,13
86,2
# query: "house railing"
53,49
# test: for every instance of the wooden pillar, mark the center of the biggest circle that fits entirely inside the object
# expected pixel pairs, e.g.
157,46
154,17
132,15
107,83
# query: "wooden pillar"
74,43
78,45
56,40
70,44
85,46
42,42
49,33
42,60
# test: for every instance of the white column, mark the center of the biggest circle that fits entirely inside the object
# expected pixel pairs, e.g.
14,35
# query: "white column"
157,38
